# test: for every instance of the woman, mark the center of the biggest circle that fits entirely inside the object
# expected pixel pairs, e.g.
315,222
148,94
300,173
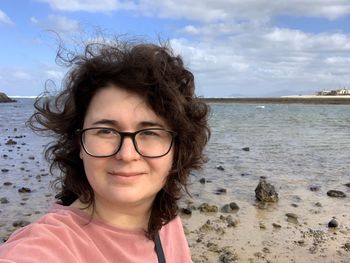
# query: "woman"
129,130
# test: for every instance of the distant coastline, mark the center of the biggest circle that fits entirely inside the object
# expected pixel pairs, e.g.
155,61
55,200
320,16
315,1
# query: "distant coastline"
302,99
5,98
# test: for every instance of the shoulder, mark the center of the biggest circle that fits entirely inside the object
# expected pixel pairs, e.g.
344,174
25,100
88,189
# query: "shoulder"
44,238
174,241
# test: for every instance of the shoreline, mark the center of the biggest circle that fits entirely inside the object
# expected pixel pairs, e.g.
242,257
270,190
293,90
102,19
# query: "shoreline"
339,100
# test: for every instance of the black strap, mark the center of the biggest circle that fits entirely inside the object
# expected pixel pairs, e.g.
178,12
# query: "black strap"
159,249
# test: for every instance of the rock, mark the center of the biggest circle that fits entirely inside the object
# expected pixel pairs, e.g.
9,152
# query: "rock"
346,246
24,190
318,204
202,180
220,191
314,188
336,193
5,170
247,149
347,184
4,200
230,208
265,192
11,142
276,225
220,168
228,256
292,218
20,223
186,211
7,183
333,223
206,208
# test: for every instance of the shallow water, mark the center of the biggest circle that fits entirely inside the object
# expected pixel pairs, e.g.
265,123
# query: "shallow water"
294,146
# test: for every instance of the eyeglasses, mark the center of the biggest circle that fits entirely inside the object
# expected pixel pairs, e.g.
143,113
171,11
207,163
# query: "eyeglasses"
106,142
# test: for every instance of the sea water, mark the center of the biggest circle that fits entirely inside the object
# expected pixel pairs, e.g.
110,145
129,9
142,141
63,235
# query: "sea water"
294,146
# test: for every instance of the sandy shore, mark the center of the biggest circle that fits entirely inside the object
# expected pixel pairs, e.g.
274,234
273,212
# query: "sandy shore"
260,232
304,99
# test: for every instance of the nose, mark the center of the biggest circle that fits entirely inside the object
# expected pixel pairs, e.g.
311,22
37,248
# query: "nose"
127,151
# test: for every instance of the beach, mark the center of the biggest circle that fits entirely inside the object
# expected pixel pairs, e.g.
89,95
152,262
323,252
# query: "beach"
303,151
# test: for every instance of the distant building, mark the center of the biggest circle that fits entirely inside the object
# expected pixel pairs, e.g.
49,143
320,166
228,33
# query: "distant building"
342,91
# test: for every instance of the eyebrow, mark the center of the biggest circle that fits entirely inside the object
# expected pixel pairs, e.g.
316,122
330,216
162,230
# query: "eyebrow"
143,124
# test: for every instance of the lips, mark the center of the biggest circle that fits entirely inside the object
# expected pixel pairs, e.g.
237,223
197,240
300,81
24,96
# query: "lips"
126,174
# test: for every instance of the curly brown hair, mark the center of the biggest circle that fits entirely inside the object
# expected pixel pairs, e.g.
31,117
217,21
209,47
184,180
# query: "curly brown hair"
149,70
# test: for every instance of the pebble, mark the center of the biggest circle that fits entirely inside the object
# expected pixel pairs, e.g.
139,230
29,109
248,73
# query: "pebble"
20,223
186,211
220,191
24,190
292,218
5,170
220,168
229,208
205,207
7,183
336,193
10,142
247,149
333,223
314,188
202,180
4,200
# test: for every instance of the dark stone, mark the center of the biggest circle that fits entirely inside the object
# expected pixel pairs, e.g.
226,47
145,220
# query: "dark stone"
5,170
7,183
276,225
220,168
230,208
266,192
333,223
205,207
24,190
220,191
247,149
347,184
202,180
336,193
4,200
292,218
10,142
314,188
186,211
20,223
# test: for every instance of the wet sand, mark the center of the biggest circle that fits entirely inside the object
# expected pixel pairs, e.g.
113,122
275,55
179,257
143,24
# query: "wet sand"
260,232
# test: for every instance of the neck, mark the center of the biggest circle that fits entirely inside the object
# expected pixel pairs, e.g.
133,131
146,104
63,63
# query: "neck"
132,217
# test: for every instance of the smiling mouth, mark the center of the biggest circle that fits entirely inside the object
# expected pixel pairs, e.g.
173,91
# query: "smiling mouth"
126,175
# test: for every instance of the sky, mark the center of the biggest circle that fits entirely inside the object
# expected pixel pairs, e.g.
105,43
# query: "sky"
249,48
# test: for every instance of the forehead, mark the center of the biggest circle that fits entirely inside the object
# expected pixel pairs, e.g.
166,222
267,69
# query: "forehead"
117,104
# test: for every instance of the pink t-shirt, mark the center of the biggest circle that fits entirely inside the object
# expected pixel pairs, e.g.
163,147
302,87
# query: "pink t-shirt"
66,235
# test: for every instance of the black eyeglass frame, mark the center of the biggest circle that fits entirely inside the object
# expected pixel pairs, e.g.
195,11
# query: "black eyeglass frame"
132,135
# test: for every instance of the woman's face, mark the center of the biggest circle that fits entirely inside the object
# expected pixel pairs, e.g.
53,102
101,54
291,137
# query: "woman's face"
126,178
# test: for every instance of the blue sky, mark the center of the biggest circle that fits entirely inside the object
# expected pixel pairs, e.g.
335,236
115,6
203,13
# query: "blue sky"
234,47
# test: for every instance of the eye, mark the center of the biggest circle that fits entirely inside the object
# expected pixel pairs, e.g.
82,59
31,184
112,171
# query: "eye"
104,132
150,133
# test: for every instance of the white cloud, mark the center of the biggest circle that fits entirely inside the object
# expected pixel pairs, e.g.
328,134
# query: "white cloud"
224,10
5,19
21,75
89,5
58,23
